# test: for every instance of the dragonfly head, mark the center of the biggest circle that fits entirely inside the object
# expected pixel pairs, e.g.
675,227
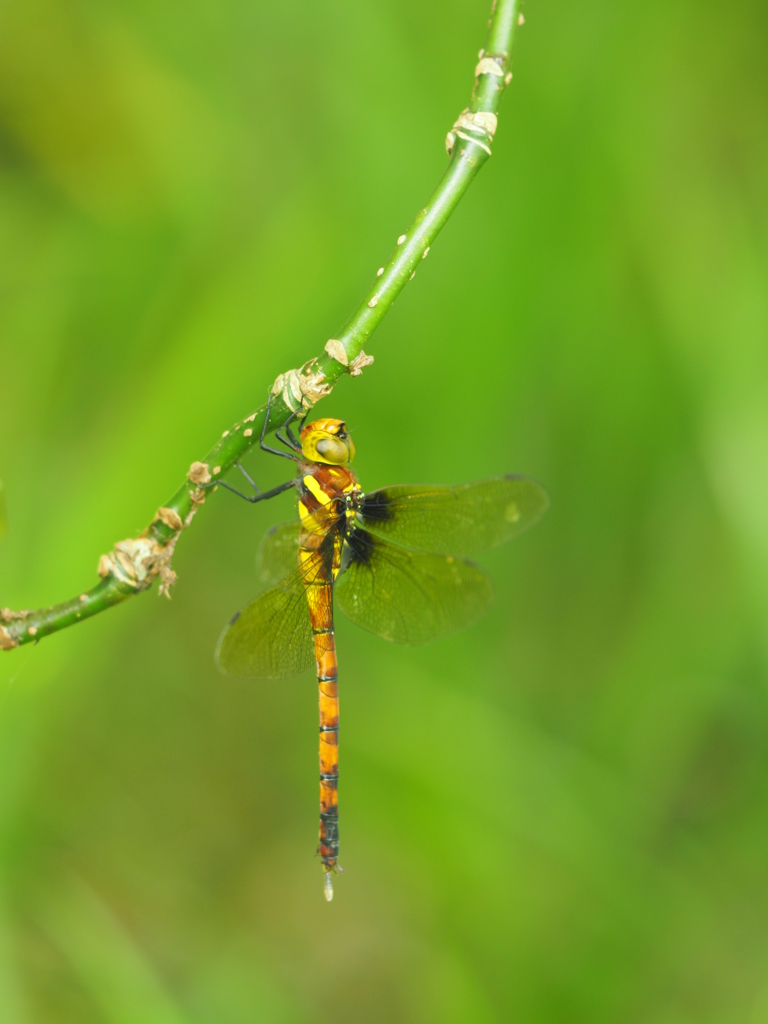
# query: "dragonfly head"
327,440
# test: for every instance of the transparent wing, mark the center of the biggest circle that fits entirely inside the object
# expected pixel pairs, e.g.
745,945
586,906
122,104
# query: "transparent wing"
410,597
279,552
458,520
271,638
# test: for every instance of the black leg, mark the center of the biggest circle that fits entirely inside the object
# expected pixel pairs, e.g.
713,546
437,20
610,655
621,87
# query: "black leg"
253,498
265,447
290,441
247,476
293,441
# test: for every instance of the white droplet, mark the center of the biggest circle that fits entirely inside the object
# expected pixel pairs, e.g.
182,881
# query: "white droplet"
328,891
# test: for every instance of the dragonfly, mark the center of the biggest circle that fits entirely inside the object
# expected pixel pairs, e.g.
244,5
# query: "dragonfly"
394,560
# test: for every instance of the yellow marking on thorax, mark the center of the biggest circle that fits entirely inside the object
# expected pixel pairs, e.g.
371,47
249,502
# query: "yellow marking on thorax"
316,490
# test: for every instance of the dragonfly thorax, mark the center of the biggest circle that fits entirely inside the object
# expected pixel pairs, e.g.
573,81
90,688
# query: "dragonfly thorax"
321,486
327,441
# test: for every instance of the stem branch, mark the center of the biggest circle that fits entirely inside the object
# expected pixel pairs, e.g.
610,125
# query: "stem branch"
135,564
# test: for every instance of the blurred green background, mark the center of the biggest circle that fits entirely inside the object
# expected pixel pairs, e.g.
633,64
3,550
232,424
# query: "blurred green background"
559,815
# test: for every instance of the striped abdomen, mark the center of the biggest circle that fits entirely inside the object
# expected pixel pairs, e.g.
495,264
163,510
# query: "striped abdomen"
321,565
327,680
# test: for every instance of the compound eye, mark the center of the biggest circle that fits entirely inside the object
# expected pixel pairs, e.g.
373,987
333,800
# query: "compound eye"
332,449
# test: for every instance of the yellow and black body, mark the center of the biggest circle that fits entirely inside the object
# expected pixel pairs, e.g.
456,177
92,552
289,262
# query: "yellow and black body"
393,560
324,485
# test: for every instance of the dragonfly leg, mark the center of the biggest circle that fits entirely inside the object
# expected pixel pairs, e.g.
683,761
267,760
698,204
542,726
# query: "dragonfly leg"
266,447
247,476
304,419
291,441
253,498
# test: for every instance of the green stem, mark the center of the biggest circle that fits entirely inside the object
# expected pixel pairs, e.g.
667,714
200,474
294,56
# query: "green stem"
135,570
